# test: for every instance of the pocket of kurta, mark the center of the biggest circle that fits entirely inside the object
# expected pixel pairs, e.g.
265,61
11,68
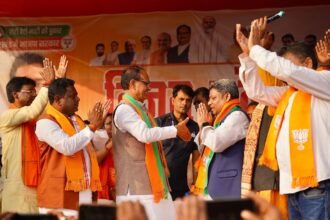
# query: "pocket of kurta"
227,173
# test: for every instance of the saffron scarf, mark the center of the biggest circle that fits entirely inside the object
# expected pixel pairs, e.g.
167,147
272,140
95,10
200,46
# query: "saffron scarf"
74,164
155,159
200,187
300,139
252,135
30,153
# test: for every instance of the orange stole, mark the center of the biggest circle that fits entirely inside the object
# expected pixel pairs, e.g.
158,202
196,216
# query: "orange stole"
74,164
30,155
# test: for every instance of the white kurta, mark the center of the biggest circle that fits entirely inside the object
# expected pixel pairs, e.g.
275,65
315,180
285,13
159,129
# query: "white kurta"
50,132
316,83
127,120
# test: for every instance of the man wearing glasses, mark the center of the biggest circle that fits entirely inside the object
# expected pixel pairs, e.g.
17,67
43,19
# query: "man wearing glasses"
141,170
20,150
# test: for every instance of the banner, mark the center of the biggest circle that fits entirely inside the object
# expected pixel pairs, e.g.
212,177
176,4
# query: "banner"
190,47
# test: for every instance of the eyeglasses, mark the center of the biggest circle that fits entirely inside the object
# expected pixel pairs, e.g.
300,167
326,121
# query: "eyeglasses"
145,82
31,92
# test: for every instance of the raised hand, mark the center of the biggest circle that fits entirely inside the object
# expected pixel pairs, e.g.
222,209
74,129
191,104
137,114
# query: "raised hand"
262,25
95,116
327,36
202,114
242,40
322,49
106,107
327,40
62,67
182,130
47,73
257,32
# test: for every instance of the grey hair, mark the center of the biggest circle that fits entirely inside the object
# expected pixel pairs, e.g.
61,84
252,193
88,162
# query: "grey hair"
226,86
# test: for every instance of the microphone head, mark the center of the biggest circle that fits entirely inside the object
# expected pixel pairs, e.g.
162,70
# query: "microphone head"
281,13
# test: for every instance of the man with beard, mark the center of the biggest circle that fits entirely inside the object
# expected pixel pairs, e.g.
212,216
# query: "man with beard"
100,56
69,168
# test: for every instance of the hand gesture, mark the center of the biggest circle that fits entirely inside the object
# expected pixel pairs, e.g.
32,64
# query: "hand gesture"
242,40
130,210
322,49
47,73
327,37
202,114
190,208
258,28
267,40
106,107
95,115
266,211
62,67
182,130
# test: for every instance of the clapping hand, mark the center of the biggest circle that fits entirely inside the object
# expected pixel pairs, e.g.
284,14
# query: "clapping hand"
106,107
62,67
95,115
322,52
202,114
47,72
242,40
258,28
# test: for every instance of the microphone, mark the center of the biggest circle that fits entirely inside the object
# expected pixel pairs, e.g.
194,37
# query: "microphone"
269,19
275,17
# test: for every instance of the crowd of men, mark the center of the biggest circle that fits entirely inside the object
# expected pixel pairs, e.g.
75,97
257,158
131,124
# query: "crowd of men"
54,160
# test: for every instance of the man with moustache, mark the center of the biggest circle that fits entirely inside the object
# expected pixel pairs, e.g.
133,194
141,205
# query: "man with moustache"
177,151
139,159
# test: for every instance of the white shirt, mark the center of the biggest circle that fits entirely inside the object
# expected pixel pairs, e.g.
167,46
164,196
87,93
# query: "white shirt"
50,132
112,58
181,48
127,120
314,82
97,61
100,138
142,57
208,48
232,130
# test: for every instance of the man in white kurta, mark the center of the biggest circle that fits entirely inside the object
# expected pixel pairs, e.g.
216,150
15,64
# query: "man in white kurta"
316,83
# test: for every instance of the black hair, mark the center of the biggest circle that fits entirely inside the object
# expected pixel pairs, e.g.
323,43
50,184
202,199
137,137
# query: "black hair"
15,85
25,59
302,51
288,35
131,72
146,36
58,88
184,88
205,92
181,26
99,45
